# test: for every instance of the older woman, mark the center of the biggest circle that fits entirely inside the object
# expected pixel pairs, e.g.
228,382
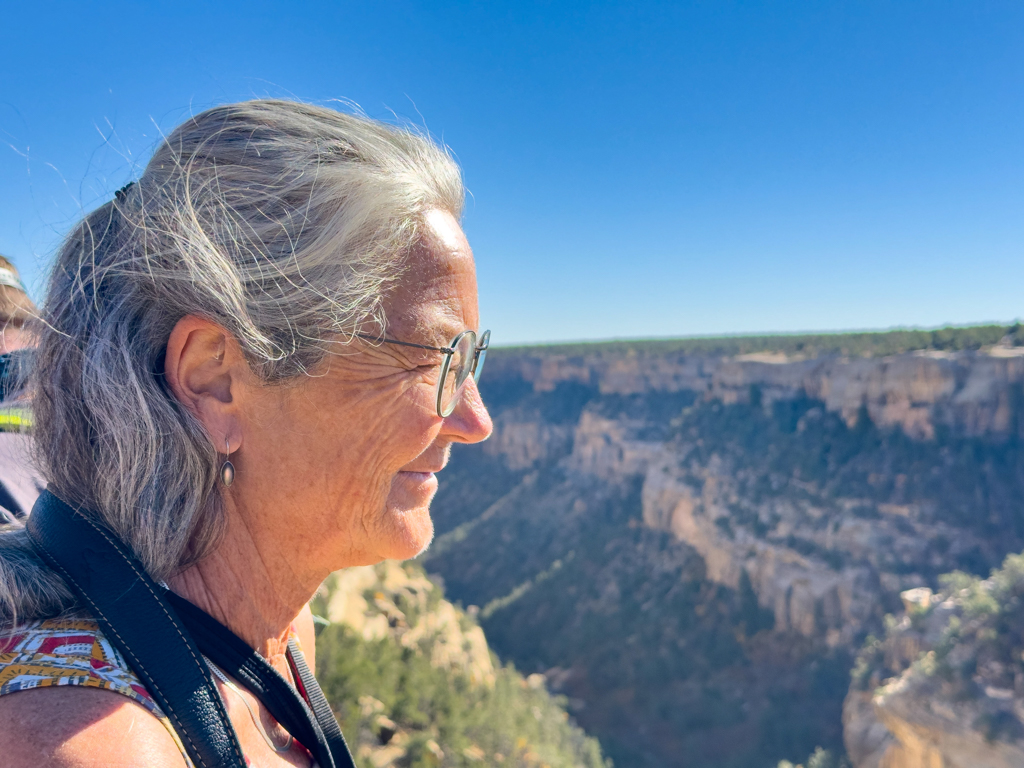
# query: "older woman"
253,361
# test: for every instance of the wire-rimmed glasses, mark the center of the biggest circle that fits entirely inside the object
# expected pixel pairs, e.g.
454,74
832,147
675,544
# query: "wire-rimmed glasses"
463,358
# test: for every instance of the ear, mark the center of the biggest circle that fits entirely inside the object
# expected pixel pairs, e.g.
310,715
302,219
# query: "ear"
205,367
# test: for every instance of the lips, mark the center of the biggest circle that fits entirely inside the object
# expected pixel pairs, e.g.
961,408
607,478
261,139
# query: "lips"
419,483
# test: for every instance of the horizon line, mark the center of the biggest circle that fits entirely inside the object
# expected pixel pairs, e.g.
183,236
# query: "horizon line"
764,334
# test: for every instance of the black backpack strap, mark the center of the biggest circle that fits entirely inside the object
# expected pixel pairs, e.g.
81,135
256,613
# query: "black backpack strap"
318,703
309,720
133,613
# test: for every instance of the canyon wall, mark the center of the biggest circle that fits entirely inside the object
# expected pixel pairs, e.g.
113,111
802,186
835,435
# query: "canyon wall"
813,491
969,391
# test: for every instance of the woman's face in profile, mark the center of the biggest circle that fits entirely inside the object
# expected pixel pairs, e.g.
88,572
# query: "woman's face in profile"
341,464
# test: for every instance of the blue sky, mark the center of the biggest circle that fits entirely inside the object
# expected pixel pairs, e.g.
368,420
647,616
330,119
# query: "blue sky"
635,169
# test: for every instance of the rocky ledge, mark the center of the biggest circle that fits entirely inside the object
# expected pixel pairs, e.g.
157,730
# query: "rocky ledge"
945,687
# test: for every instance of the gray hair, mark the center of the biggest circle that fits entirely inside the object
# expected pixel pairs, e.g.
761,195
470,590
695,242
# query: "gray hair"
285,223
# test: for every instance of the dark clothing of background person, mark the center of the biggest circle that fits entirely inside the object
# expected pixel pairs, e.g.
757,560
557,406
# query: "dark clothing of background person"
20,484
13,368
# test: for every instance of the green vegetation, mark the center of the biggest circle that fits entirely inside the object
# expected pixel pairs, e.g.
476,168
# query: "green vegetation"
978,642
390,695
961,648
857,344
418,704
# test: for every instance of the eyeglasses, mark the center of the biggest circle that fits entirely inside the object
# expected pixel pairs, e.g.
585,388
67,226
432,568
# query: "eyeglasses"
463,358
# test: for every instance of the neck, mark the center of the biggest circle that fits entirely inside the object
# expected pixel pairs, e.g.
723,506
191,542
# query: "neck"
235,585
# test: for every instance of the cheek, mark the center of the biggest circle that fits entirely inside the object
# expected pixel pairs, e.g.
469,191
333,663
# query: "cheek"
398,440
376,429
410,429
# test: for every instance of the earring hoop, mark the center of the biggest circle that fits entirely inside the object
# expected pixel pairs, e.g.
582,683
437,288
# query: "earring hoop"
227,469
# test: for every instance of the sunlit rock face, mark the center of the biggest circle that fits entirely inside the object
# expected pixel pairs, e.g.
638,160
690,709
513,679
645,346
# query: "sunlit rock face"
810,492
413,682
970,391
944,687
806,595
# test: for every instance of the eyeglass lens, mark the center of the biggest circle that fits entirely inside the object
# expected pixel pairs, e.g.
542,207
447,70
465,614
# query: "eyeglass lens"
458,371
485,340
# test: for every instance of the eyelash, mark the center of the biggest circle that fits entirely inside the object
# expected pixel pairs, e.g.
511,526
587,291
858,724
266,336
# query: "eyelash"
425,366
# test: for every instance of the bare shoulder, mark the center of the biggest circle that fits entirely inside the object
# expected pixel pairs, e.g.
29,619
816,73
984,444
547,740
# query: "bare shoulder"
76,727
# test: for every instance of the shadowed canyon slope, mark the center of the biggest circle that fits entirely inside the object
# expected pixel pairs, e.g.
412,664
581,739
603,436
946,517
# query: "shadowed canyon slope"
693,544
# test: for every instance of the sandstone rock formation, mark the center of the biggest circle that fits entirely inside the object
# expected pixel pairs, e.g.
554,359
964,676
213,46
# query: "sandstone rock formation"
917,393
972,391
945,688
818,488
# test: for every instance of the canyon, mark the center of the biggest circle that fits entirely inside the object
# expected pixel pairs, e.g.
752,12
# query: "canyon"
693,546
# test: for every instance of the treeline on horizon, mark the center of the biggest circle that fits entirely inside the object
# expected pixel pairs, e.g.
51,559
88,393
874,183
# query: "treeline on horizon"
856,344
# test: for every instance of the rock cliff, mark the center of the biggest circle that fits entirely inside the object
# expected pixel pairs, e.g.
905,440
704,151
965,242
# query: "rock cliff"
973,391
944,688
697,497
756,515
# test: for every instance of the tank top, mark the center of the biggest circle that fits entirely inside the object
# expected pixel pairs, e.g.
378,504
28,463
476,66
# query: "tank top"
74,652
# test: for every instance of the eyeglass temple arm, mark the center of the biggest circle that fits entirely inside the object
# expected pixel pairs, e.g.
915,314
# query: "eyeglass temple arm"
385,340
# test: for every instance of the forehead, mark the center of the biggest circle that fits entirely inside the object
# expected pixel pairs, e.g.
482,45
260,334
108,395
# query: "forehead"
436,297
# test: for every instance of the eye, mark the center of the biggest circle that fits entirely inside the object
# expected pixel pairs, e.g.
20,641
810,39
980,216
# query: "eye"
428,359
426,363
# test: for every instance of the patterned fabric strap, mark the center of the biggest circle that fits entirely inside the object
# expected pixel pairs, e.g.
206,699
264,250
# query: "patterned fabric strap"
72,652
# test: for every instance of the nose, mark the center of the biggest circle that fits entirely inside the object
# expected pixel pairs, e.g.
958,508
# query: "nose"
469,422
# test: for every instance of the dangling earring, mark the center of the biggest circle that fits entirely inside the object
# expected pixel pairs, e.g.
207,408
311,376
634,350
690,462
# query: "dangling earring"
227,469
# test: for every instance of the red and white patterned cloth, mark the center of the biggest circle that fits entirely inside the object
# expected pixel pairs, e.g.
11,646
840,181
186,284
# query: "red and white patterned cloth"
71,652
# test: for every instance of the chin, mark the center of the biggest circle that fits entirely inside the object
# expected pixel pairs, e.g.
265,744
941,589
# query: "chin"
409,534
408,529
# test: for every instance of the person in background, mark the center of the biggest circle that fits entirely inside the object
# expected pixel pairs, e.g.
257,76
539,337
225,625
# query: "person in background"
16,309
20,484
